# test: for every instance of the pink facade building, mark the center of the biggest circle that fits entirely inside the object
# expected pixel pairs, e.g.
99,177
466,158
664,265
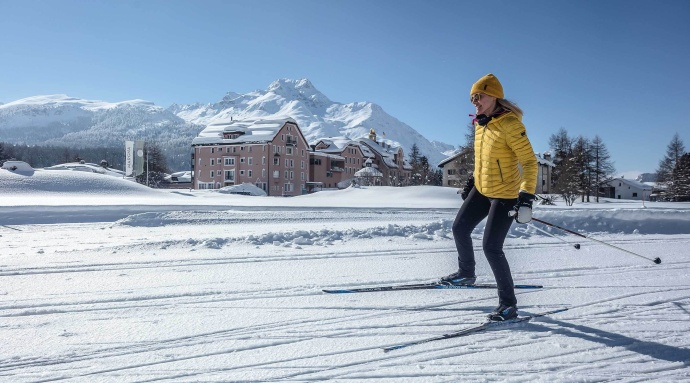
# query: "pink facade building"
334,162
271,154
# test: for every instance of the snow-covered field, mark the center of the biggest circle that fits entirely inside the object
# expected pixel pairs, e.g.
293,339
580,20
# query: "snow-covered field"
103,280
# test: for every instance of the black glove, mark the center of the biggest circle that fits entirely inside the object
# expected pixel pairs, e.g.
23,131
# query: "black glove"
523,208
468,187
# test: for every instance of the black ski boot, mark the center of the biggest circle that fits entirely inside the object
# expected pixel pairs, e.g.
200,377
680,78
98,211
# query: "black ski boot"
457,280
504,312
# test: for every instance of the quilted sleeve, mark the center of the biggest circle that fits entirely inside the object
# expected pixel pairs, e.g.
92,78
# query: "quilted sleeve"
517,140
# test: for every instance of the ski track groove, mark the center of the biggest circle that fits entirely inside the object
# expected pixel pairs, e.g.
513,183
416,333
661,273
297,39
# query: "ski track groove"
342,371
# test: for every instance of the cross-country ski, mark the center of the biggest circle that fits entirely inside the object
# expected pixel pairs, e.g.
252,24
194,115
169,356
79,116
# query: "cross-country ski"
422,286
471,330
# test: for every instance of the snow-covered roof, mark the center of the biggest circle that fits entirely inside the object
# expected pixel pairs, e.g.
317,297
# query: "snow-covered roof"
87,167
368,172
255,131
631,183
385,154
453,156
17,166
546,162
319,153
244,189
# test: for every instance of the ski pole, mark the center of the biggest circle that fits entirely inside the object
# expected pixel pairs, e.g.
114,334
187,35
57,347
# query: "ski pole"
656,260
577,245
10,227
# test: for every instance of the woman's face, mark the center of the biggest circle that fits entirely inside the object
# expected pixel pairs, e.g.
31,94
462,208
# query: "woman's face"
484,104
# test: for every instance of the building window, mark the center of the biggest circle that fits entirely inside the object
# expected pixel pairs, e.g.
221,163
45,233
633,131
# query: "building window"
276,174
276,161
249,173
229,175
229,161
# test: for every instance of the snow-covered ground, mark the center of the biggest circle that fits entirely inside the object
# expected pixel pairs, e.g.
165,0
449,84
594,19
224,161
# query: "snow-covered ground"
104,280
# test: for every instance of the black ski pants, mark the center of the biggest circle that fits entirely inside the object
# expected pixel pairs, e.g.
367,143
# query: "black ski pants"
475,208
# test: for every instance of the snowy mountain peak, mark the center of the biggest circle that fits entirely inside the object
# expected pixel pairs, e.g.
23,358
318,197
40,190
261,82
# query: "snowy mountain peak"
301,89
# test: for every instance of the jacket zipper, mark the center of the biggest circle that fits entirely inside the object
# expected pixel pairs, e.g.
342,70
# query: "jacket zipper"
481,150
499,169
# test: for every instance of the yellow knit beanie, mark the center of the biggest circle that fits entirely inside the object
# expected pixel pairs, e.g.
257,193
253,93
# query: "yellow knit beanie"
488,85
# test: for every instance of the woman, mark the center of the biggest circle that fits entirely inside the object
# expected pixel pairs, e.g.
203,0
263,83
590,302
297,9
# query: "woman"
503,187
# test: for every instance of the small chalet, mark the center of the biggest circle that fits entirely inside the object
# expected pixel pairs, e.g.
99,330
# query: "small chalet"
621,188
271,154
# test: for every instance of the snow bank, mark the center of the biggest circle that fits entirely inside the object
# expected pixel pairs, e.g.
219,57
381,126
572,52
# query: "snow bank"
47,182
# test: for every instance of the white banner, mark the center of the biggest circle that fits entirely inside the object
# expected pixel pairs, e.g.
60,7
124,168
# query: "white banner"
138,157
129,158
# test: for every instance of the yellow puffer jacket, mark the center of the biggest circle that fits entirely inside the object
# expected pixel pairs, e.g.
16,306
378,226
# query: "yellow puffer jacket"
498,149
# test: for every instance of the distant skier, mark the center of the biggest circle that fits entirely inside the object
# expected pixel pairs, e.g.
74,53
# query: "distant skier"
504,183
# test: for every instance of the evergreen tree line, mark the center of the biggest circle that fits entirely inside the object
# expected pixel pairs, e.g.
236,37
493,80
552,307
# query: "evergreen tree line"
583,167
673,173
110,157
44,156
423,173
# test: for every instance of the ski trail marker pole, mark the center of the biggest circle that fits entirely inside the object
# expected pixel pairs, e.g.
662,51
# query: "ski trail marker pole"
656,260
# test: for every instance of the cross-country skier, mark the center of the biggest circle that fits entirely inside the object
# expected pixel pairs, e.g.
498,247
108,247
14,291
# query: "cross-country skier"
504,183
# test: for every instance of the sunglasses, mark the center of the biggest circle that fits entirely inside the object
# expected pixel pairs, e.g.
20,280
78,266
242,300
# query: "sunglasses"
475,97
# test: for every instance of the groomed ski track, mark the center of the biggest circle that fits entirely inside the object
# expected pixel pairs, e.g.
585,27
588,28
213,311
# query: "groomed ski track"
181,301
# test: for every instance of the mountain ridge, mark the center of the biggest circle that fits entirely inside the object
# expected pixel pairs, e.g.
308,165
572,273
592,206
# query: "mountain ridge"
62,120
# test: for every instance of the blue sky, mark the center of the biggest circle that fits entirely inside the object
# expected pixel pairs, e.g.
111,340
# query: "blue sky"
619,69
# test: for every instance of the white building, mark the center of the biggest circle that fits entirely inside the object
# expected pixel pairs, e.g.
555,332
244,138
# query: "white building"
621,188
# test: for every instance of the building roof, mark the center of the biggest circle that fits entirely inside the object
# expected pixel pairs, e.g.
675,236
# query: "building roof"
387,154
255,131
632,183
453,156
368,172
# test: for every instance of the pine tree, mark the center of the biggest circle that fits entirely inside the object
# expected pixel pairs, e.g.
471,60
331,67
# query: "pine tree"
674,151
602,166
680,179
582,155
562,146
3,154
155,167
424,170
415,156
